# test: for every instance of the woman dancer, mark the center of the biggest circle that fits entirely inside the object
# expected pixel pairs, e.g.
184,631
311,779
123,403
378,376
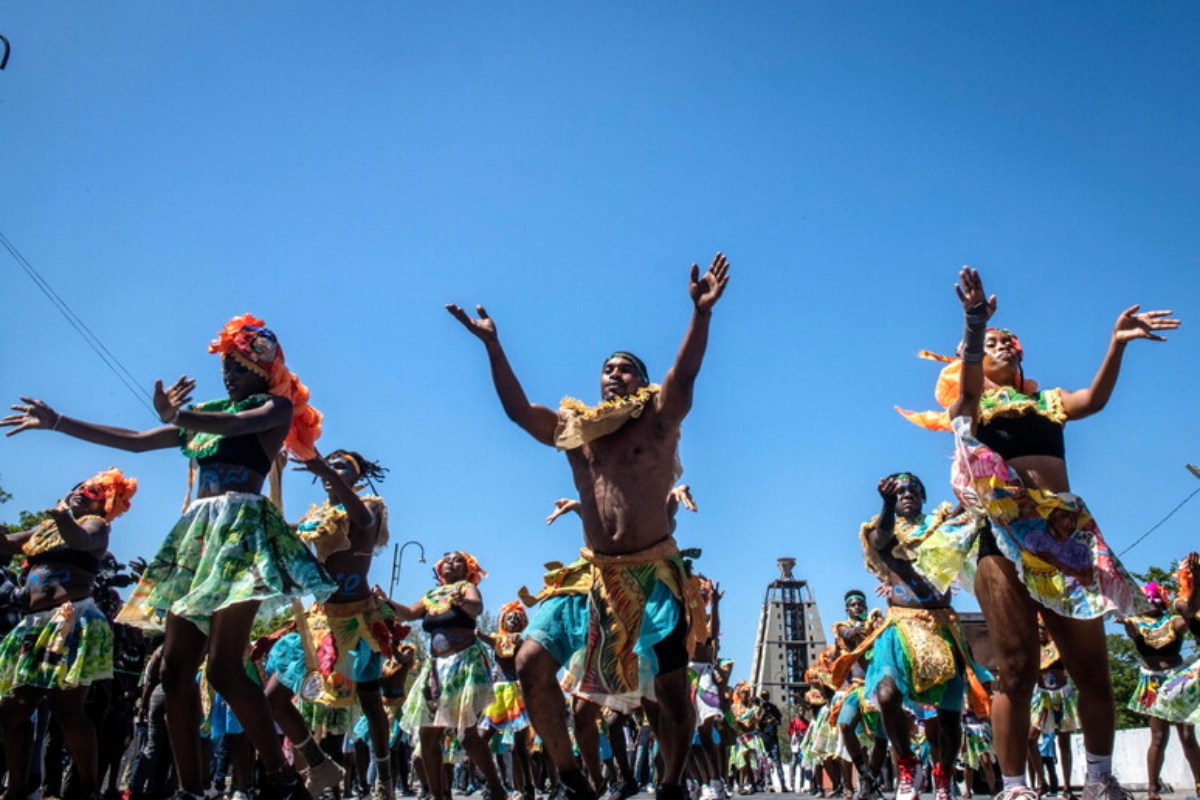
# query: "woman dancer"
231,555
64,641
453,687
1042,547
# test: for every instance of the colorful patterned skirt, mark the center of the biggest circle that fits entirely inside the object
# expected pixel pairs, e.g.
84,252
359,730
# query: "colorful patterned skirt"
1149,684
1056,546
706,695
225,550
1055,710
64,647
1178,697
823,740
748,750
976,743
449,692
507,713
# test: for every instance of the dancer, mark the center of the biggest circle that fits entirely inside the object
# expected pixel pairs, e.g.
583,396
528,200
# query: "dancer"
857,726
1042,547
506,716
1054,709
1158,636
453,687
231,556
920,656
349,634
63,643
624,458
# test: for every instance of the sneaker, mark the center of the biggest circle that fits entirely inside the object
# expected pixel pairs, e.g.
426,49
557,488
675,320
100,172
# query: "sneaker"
671,791
325,775
238,794
622,790
906,779
1106,789
1017,793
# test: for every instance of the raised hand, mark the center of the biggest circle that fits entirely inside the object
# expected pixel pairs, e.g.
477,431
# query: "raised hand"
1133,325
561,507
971,294
706,290
317,465
168,402
35,415
484,328
889,488
683,494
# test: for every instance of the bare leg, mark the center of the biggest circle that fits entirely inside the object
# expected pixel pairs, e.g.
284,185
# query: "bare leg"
1191,750
377,729
537,671
79,735
587,738
674,696
16,712
1012,622
1084,653
1064,760
229,633
431,761
183,651
1160,734
477,749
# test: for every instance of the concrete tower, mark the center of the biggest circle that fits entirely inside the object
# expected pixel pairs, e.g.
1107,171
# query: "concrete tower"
790,637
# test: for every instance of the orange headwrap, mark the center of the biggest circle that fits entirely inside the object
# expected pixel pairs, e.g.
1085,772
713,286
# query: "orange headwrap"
115,488
949,387
475,573
255,347
515,607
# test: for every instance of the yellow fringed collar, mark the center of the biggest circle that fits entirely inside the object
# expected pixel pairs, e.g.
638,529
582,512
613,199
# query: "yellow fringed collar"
579,423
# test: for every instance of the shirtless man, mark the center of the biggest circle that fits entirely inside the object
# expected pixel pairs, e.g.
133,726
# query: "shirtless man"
623,456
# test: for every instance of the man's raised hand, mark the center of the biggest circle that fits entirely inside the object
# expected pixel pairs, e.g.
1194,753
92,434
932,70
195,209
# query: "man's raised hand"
970,291
706,290
484,327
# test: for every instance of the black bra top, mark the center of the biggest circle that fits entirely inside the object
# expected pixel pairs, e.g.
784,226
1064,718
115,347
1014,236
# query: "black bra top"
456,617
65,555
1024,435
1169,650
245,451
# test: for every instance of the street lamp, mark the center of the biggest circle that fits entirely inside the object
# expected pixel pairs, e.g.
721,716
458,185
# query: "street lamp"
1192,468
398,560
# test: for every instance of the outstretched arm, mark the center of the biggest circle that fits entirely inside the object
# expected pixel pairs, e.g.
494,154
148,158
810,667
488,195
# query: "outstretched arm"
88,536
37,415
675,399
977,310
538,421
360,513
885,530
1130,325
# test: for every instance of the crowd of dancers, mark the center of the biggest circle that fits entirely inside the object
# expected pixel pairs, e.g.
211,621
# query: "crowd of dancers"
617,665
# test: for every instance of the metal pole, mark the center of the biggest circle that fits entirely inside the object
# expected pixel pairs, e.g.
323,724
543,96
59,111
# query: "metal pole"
398,562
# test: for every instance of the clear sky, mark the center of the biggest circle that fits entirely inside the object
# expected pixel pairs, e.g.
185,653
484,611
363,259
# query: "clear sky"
345,170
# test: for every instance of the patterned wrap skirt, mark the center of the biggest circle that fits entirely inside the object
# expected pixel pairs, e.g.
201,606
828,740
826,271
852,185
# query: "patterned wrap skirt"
449,692
64,647
225,550
1055,710
1178,696
976,743
507,713
1059,553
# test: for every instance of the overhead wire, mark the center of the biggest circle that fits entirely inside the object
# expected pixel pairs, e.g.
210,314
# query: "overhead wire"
1158,524
94,342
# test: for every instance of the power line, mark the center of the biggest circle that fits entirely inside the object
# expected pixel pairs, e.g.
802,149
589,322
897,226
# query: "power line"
1159,523
93,341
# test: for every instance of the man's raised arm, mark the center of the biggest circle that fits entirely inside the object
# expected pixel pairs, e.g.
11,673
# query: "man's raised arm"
538,421
675,399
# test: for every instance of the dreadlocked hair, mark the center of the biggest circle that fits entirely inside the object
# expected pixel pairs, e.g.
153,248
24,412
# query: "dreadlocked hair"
368,470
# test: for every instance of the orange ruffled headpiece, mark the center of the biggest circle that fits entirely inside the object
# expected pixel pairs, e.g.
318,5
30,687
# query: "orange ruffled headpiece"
949,386
116,490
475,573
254,346
515,607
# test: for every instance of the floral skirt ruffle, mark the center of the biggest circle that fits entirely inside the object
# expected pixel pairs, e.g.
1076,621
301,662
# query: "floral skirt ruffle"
1055,710
706,694
1149,684
449,692
1059,553
225,550
1178,696
507,713
976,743
59,648
823,739
748,750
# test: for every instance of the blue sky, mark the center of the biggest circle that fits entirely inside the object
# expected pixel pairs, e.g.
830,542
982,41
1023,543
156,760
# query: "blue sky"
344,171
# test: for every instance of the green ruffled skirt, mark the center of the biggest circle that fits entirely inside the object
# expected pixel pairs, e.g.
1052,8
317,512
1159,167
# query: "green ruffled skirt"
225,550
64,647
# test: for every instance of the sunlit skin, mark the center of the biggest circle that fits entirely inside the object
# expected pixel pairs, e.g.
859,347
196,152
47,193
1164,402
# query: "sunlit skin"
186,646
78,517
621,480
446,642
1006,603
349,568
907,589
